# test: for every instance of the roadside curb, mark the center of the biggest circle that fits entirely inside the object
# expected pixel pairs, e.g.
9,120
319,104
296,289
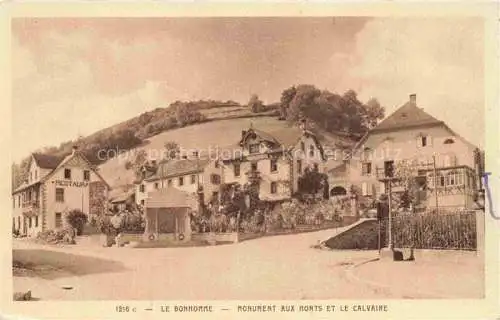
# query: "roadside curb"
377,286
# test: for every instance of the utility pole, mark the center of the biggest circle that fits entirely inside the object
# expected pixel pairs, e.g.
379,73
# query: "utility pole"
435,182
390,245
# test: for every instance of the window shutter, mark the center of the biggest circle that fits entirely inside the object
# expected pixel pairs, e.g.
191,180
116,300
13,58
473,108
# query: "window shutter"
364,189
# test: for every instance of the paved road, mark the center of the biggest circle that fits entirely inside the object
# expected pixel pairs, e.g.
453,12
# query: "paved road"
279,267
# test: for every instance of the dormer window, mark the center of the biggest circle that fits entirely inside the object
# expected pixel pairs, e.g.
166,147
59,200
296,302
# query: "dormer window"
449,141
254,148
311,151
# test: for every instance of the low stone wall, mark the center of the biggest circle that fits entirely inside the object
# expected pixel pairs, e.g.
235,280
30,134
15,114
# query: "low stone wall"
130,237
213,237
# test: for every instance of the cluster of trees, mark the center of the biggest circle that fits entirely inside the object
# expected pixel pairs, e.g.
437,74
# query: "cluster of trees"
330,111
178,114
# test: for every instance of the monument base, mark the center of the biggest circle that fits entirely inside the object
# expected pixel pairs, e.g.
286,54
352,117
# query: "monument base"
391,254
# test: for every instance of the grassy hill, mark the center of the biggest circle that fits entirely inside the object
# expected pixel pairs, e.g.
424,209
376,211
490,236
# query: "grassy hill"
216,133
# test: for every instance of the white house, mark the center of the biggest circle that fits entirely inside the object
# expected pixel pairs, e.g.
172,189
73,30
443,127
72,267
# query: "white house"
55,185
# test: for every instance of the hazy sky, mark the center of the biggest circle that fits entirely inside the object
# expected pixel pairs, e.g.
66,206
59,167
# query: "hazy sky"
76,76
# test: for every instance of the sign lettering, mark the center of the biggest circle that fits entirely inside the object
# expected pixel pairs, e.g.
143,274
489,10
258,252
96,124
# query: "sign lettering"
77,184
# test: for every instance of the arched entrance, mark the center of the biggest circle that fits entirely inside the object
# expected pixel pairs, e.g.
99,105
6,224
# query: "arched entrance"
338,191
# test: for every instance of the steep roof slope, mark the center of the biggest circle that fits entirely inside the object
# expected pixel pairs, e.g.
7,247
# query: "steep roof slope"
408,115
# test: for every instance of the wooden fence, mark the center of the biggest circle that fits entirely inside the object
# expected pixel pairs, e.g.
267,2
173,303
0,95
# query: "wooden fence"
434,231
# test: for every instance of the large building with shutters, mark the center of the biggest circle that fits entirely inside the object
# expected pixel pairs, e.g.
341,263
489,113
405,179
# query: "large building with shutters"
275,160
54,186
444,165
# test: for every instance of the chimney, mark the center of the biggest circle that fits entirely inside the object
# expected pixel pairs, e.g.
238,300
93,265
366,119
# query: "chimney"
413,98
75,149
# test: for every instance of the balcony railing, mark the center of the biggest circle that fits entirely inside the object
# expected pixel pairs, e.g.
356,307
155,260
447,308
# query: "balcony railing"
30,204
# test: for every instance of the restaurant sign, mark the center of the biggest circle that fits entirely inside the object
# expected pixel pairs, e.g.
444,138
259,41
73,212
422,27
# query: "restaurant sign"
65,183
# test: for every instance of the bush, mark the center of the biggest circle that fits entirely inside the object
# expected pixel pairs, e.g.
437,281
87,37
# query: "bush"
76,219
133,222
57,236
104,225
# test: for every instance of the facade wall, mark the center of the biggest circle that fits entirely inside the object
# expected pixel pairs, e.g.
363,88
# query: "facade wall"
280,177
76,191
404,145
302,152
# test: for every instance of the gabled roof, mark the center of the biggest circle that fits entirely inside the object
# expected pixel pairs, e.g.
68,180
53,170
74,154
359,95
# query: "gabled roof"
122,197
408,115
175,168
46,161
285,139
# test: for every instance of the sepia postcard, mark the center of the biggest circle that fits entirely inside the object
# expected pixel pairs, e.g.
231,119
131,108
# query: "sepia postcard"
250,160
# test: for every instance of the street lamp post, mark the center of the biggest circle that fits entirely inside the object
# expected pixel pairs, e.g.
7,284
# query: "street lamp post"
389,189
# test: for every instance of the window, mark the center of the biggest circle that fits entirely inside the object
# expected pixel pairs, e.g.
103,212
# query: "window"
237,169
86,175
254,148
442,181
19,222
299,166
169,182
316,167
449,141
142,188
58,220
19,201
193,179
156,185
311,150
142,202
366,168
366,189
181,181
423,140
67,173
59,195
302,146
455,178
36,221
30,222
36,175
13,202
216,164
31,176
274,187
274,165
215,179
389,168
215,196
254,166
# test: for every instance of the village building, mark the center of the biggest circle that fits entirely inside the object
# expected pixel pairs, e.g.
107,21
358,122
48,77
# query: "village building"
188,175
55,186
122,201
445,166
274,160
